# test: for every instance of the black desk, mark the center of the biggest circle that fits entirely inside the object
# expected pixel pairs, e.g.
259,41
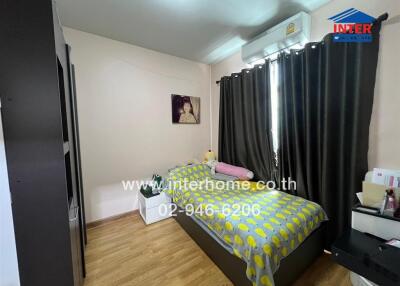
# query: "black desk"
369,257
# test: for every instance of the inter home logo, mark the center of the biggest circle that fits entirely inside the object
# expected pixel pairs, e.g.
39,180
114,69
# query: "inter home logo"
352,25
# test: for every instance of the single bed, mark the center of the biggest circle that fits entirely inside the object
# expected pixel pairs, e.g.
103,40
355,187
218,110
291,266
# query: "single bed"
270,245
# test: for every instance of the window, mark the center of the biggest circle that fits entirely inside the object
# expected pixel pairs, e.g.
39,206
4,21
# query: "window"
274,97
274,82
274,104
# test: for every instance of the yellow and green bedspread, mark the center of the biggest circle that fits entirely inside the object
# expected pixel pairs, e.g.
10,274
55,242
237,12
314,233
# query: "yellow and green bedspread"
277,224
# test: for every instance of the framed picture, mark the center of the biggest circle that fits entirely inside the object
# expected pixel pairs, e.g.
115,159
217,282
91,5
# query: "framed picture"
185,109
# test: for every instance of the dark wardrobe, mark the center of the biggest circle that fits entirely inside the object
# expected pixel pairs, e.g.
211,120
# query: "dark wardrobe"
40,125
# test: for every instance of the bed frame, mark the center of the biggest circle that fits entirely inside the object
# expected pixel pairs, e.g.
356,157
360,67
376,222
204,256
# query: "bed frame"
234,268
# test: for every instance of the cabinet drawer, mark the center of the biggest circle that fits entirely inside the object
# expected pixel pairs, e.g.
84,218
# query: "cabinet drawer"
378,226
151,215
153,201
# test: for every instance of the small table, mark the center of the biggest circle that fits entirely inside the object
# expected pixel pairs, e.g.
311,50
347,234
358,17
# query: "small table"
155,208
368,256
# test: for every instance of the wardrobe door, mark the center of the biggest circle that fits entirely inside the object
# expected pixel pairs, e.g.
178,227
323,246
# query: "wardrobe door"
33,137
66,91
69,163
77,159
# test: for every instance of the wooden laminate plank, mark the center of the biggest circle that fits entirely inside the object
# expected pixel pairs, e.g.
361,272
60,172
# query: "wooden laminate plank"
126,252
110,219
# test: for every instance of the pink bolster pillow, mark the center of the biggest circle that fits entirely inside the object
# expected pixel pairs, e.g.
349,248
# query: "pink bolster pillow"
235,171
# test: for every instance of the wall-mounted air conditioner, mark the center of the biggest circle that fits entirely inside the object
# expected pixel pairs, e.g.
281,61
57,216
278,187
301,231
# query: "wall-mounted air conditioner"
295,30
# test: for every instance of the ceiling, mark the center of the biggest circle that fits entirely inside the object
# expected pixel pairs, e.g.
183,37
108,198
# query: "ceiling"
201,30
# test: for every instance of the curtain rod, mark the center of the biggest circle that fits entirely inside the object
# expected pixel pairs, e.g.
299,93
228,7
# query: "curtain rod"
378,20
271,61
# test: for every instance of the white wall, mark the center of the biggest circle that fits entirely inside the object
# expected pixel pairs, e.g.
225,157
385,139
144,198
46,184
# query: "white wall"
384,138
124,107
9,275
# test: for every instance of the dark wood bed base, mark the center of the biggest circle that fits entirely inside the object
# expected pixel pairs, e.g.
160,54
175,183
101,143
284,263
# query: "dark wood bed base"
234,268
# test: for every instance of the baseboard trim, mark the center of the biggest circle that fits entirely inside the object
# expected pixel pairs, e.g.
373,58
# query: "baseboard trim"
107,220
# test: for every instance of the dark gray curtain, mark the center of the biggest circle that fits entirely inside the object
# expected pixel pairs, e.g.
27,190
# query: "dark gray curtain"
245,136
325,104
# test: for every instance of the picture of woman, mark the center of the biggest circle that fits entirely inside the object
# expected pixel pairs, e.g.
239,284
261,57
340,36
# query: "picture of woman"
187,114
185,109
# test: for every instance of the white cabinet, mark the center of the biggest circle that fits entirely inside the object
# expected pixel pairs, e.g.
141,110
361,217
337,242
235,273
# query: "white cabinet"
155,208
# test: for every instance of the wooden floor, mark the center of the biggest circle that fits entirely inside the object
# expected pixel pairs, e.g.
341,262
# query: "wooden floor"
127,252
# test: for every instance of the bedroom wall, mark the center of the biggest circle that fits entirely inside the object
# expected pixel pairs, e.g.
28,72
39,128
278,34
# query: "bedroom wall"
9,274
124,107
384,138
